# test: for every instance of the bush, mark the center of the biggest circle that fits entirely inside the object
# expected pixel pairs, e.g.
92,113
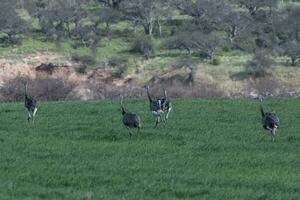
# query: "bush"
119,72
41,88
143,45
81,69
216,61
260,65
117,61
85,59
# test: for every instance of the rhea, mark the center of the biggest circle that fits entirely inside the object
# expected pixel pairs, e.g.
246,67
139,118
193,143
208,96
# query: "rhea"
166,105
30,105
270,121
130,120
155,107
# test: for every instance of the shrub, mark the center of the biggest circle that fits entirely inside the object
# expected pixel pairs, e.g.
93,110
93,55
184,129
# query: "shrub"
260,65
216,61
85,59
41,88
144,46
81,69
117,61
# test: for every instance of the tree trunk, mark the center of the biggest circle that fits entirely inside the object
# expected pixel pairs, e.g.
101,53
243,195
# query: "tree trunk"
293,59
148,28
159,27
210,54
232,32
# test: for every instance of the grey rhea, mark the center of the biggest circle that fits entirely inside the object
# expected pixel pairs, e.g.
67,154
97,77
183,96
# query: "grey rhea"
155,108
30,105
166,105
270,121
130,120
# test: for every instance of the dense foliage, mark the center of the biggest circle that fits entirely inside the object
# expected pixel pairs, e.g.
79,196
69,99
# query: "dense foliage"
200,27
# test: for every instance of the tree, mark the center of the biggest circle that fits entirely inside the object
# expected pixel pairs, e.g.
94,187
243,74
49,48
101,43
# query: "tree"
237,24
196,42
288,27
145,13
58,18
254,5
206,14
111,3
292,50
10,22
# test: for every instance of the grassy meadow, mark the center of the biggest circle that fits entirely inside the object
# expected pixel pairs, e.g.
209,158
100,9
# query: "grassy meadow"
210,149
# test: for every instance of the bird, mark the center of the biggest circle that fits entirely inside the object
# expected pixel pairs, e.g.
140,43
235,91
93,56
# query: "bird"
270,121
130,120
30,104
166,105
155,107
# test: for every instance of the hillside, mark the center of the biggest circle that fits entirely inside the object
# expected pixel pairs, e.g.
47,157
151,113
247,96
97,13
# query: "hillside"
98,49
210,148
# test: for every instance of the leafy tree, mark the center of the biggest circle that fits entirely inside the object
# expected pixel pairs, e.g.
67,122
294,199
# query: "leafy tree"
292,50
111,3
237,24
11,25
254,5
288,27
196,42
145,13
205,13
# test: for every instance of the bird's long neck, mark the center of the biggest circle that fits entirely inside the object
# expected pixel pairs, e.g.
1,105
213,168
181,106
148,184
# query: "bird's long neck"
25,93
262,109
123,110
122,107
149,97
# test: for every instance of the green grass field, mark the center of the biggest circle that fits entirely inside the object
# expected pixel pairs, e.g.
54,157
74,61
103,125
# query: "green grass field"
209,149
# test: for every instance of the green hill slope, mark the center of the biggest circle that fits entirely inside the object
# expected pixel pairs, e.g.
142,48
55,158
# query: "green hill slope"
209,149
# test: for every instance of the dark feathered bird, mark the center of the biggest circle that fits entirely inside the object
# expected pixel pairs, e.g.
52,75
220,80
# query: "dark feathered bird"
30,104
130,120
269,120
155,107
166,105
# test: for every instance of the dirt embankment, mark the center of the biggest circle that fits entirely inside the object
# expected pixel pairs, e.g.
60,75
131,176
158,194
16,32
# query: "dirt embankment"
103,82
57,66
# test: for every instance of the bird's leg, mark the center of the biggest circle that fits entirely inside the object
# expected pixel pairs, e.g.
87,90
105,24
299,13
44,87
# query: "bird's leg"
167,115
129,132
29,116
138,131
33,114
156,122
161,119
273,134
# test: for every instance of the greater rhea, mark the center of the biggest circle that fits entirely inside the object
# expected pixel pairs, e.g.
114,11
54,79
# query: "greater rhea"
30,105
155,107
270,121
130,120
166,105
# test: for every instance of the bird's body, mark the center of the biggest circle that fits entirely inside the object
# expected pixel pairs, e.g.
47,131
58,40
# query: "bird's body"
130,120
30,104
270,121
166,105
156,107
